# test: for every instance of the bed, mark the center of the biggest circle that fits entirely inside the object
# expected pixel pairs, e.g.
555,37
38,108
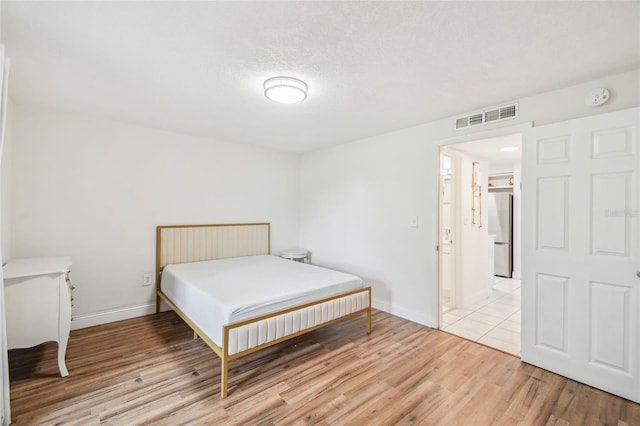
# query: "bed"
223,282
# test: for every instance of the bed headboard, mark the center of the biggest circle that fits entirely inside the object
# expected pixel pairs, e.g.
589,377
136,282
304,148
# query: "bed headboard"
193,243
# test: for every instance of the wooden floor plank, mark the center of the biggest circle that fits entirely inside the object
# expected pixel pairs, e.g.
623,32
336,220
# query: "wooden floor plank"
150,370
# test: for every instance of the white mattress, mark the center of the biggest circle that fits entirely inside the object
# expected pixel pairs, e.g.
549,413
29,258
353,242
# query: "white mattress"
217,292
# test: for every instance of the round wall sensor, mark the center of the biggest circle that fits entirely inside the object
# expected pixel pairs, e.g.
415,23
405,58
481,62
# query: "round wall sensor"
597,97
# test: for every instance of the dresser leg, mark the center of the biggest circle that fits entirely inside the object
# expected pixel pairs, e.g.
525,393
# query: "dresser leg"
62,352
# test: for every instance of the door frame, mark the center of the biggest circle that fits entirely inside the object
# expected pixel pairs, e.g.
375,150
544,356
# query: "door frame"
437,146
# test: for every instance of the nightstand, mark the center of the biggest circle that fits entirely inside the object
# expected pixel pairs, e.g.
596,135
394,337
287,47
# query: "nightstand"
298,255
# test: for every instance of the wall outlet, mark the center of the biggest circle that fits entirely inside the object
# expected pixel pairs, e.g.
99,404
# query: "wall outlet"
147,279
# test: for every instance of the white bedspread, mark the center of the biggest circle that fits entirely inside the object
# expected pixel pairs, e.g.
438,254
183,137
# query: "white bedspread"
217,292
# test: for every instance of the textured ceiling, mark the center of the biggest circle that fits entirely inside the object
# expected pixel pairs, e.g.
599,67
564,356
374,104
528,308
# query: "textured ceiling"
372,67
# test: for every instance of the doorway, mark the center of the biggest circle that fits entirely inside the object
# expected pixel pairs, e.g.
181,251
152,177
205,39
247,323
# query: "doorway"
479,240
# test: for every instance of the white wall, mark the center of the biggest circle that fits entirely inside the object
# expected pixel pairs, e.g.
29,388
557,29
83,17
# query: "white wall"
357,199
472,256
357,204
5,185
95,190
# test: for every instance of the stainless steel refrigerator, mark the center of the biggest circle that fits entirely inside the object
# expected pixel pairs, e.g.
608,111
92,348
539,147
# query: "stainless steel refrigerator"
500,211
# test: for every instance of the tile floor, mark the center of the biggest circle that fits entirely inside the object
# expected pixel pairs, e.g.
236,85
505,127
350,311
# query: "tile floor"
494,321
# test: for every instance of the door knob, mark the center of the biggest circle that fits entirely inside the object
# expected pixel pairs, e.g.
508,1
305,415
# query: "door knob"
638,274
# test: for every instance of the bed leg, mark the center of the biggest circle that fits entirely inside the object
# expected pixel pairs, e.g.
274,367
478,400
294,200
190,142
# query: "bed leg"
369,312
224,362
223,377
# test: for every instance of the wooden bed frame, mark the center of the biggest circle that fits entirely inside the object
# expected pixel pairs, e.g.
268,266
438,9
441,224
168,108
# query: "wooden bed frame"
193,243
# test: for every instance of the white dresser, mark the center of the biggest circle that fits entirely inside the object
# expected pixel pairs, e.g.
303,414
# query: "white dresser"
38,303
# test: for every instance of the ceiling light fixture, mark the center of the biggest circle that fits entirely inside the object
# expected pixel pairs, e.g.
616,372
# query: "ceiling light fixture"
509,148
286,90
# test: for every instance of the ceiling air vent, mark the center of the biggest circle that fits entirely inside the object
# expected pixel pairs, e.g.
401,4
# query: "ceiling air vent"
475,119
507,112
462,122
490,115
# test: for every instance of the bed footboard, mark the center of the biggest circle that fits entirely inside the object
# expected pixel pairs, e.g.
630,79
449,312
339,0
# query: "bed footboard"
244,337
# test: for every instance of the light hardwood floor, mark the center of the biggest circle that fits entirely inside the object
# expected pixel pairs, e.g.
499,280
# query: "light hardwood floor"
149,370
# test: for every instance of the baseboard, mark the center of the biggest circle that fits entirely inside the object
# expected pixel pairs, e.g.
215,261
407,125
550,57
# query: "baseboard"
119,314
407,314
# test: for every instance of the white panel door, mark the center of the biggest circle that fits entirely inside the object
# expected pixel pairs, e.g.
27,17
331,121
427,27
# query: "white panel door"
580,250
